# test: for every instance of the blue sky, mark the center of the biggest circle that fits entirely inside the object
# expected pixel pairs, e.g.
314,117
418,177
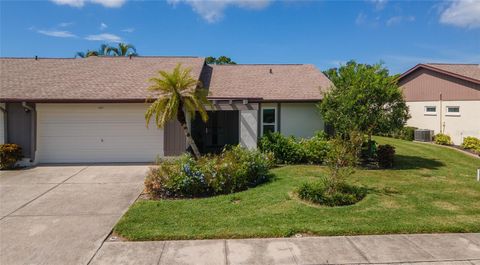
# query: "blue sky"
325,33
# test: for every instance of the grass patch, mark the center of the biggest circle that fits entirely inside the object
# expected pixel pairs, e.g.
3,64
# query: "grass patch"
430,189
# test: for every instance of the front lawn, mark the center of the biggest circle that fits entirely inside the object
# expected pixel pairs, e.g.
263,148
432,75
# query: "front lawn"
431,189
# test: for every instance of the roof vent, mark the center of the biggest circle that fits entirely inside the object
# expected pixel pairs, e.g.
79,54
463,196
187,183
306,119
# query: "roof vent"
271,71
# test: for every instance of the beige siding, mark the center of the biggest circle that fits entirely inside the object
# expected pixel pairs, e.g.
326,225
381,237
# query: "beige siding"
466,123
77,133
427,85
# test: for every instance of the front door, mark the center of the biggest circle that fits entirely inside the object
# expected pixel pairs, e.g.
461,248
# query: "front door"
221,129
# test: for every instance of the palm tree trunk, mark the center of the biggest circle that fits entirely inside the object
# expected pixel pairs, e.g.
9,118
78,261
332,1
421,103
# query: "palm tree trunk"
183,122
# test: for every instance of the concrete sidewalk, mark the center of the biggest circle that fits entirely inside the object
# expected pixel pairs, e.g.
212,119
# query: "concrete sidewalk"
461,249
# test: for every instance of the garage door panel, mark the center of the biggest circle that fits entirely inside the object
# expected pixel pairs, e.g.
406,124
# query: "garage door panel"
125,129
76,133
93,142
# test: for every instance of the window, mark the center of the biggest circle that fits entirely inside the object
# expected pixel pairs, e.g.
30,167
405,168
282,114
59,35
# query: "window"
269,120
430,110
453,111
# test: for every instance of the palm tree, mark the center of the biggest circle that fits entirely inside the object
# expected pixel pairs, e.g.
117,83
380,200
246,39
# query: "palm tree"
123,49
102,51
176,92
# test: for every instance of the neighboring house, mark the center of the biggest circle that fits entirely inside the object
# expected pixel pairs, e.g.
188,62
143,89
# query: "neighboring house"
444,98
92,110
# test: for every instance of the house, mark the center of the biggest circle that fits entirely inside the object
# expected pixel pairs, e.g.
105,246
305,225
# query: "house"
444,98
92,110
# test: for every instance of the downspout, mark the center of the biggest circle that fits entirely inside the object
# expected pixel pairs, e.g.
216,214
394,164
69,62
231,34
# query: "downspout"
441,113
32,131
5,124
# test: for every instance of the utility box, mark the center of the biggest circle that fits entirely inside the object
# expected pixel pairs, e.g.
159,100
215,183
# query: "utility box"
423,135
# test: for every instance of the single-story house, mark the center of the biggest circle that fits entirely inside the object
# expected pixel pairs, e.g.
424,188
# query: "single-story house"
92,110
444,98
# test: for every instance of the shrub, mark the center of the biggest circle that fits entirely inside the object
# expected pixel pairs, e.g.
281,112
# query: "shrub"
471,143
315,149
231,171
385,155
407,133
289,150
285,149
442,139
319,192
10,154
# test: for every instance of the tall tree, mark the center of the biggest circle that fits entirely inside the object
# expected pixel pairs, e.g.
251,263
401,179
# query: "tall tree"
219,60
364,98
175,92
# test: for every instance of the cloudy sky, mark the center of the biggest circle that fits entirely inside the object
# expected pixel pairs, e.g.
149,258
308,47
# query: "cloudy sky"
325,33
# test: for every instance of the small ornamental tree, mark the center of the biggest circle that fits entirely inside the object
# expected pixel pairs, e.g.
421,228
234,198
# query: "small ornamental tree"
364,98
177,92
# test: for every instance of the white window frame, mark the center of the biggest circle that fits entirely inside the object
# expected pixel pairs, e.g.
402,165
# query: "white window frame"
430,113
453,114
268,123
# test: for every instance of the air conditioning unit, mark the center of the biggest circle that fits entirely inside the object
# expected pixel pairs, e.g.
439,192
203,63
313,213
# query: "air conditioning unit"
424,135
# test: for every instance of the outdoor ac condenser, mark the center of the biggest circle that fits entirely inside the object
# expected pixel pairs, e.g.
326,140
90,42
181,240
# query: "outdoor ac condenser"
424,135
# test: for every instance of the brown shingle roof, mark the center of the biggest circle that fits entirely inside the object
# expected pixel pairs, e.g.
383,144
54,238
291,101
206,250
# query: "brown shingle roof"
89,79
120,79
268,82
467,70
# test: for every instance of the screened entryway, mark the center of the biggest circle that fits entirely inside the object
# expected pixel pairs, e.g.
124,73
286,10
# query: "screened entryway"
221,129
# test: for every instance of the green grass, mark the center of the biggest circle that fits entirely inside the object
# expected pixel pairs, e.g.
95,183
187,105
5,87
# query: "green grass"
431,189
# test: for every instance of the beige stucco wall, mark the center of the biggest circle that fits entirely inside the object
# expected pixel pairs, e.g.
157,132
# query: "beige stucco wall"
300,119
467,123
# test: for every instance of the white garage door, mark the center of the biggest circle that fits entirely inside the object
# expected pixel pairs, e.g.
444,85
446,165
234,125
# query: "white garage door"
96,133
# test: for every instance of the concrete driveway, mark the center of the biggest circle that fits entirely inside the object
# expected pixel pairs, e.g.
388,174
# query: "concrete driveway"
62,214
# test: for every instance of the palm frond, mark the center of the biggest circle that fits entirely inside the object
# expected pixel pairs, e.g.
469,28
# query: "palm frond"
80,54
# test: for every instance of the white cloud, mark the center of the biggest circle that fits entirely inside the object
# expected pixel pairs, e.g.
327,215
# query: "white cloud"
81,3
462,13
361,18
379,4
399,19
104,37
65,24
57,33
129,30
213,10
103,26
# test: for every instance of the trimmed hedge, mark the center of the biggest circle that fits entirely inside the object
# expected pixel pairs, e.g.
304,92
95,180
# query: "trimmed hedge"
442,139
471,143
231,171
